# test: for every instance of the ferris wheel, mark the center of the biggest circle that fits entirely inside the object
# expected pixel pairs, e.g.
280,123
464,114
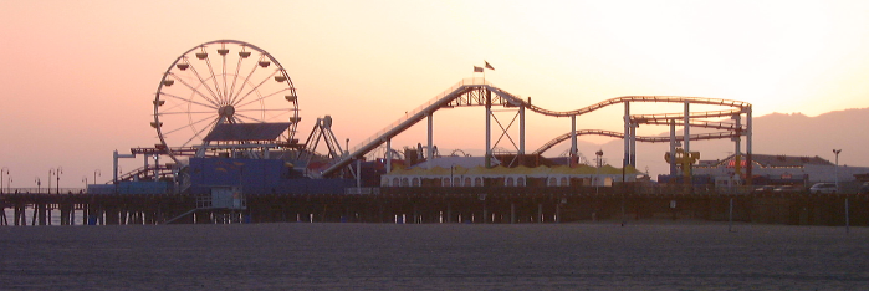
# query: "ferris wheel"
218,83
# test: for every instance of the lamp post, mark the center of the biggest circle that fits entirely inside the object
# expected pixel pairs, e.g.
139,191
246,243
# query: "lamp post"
836,168
3,170
50,172
38,185
97,172
596,180
56,172
452,169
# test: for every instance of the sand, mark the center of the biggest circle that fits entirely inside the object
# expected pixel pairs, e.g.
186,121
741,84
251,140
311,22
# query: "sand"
586,256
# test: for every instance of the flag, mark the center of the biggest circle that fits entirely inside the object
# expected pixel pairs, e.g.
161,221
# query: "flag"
488,66
478,69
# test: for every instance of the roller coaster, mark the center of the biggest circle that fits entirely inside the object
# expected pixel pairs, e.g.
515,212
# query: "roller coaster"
478,92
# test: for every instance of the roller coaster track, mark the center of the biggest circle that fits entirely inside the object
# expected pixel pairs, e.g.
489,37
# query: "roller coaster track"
474,92
698,136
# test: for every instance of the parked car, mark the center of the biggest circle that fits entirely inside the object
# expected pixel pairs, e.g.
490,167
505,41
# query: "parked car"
825,188
788,189
864,188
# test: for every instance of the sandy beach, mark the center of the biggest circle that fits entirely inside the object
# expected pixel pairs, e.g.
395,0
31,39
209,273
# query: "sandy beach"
587,256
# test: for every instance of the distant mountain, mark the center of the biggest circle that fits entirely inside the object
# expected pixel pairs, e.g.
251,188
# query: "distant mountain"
788,134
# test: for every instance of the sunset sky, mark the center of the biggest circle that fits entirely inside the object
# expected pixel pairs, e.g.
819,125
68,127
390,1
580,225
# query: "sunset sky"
78,77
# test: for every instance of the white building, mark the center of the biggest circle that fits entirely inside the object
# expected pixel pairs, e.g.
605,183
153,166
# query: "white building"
470,172
810,170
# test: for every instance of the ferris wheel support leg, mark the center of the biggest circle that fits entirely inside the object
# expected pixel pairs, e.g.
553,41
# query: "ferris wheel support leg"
145,160
156,168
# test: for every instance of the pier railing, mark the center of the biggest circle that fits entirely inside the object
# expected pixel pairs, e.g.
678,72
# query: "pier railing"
44,191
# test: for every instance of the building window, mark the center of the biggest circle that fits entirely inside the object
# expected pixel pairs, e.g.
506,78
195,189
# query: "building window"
553,182
395,182
478,182
508,182
467,182
457,182
404,182
384,182
564,182
446,182
520,182
415,182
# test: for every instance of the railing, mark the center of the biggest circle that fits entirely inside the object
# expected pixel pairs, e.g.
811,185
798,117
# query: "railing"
362,191
403,123
464,82
44,190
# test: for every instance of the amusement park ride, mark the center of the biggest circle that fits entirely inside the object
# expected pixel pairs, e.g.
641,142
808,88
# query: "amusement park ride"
232,99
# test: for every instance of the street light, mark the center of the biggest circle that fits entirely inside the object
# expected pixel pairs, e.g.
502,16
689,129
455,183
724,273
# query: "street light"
56,172
836,169
3,170
57,175
596,181
38,185
50,172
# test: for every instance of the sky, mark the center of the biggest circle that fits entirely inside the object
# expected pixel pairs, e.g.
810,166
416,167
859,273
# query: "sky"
79,77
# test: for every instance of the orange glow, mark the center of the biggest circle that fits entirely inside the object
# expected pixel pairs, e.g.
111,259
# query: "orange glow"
79,76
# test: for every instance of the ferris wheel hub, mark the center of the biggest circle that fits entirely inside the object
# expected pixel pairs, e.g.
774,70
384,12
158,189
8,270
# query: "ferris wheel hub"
226,111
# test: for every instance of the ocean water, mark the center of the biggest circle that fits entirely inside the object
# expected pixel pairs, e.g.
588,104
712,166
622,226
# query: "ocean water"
302,256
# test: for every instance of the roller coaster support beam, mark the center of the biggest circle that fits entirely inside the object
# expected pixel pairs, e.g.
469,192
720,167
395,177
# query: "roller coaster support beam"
573,146
738,143
388,155
633,161
522,133
672,145
115,157
748,129
359,172
430,148
488,129
687,145
627,140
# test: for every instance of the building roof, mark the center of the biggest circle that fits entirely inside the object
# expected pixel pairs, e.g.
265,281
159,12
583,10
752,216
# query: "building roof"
771,161
247,131
464,162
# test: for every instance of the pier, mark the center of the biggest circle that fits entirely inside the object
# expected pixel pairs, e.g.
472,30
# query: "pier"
497,205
